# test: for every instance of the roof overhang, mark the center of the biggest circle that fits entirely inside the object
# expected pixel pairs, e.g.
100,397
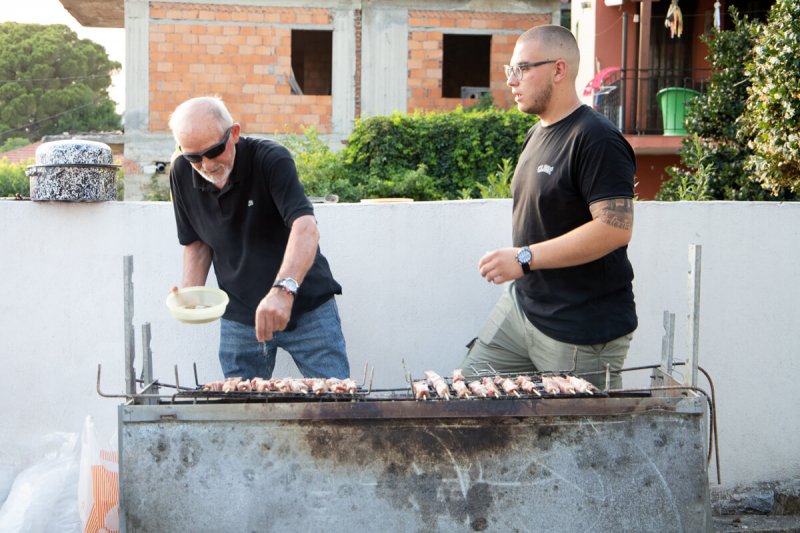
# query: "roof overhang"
97,13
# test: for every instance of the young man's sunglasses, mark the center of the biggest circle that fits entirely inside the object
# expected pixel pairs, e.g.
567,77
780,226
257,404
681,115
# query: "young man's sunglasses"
211,153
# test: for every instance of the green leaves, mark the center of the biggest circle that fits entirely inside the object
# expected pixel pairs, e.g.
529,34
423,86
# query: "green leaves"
458,148
771,118
723,155
424,156
51,82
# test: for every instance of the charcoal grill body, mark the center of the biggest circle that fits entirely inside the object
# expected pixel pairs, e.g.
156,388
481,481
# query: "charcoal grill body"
583,464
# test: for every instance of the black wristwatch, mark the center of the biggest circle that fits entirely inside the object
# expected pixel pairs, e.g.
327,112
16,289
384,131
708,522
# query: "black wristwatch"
290,285
524,258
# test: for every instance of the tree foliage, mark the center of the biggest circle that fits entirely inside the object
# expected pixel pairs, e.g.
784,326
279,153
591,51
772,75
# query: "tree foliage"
771,121
424,156
716,151
52,82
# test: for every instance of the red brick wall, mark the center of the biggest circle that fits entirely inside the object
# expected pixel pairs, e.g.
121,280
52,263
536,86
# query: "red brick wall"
247,65
426,30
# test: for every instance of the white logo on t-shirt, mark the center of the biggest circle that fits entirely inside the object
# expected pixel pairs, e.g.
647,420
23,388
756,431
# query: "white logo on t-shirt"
547,169
250,203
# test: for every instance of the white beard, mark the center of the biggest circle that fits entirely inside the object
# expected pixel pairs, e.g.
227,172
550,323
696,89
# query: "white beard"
217,182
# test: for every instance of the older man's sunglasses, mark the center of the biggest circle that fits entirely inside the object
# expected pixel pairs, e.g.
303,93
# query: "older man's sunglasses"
211,153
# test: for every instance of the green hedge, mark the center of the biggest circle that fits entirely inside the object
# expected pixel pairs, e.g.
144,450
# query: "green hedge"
424,156
457,150
13,179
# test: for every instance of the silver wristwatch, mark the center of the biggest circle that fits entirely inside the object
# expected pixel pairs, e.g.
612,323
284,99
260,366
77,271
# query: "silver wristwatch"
290,285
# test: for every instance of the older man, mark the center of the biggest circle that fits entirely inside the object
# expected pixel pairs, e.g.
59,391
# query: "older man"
239,205
570,305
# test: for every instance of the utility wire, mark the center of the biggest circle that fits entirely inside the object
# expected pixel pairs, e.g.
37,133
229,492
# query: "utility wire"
17,80
45,119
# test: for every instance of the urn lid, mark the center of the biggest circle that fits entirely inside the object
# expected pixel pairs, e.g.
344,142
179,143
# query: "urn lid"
74,152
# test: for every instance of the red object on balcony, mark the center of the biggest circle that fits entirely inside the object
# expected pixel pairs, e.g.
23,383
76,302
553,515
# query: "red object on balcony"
599,80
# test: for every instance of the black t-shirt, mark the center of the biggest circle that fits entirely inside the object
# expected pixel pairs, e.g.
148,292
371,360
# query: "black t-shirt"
247,223
562,169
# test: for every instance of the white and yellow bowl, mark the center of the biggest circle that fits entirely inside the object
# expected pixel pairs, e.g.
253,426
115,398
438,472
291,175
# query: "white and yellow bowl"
197,305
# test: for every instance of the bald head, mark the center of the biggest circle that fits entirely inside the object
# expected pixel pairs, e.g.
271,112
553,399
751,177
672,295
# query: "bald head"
554,42
198,115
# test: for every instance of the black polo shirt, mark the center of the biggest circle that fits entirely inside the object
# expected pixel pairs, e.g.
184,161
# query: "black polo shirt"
562,169
247,223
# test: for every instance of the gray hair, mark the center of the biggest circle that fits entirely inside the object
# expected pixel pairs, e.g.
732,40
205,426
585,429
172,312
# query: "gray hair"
205,108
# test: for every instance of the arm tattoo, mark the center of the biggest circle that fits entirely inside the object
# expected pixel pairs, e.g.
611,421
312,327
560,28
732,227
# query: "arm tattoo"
616,212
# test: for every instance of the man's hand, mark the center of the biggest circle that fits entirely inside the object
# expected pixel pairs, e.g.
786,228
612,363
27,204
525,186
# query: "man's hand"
273,313
499,266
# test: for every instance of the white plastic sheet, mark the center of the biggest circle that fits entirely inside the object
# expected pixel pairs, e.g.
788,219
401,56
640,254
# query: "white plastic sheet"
42,497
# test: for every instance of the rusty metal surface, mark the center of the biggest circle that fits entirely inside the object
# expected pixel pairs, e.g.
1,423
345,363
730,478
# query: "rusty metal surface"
521,466
403,409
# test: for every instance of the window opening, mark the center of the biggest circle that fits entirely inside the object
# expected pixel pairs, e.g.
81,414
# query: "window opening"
312,61
465,65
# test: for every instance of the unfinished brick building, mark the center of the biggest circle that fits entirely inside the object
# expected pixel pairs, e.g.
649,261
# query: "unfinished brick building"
282,66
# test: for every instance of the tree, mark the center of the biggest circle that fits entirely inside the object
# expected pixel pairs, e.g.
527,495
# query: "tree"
51,82
715,152
771,120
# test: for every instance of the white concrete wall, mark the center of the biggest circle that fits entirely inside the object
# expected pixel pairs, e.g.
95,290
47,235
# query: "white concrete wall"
411,293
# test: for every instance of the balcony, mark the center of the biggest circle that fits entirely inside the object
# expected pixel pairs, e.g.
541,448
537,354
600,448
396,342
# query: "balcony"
629,97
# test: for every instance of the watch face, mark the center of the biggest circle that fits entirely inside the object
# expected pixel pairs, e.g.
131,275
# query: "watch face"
287,283
524,255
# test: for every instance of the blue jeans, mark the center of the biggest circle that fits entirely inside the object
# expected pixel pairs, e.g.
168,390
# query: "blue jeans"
316,344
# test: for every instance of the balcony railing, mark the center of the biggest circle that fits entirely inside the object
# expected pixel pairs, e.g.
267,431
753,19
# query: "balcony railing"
629,97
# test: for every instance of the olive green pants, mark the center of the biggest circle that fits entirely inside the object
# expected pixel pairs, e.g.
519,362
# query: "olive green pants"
510,344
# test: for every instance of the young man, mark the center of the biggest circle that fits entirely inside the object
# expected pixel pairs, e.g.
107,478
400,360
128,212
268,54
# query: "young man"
570,303
239,204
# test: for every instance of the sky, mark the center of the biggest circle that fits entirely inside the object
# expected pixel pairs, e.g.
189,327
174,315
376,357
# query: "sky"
52,12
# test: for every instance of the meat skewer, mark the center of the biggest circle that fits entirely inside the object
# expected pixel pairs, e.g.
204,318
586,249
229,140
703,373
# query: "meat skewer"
230,384
336,385
491,388
509,387
319,386
527,385
564,385
477,388
420,389
580,384
461,389
458,375
297,386
438,383
350,386
550,385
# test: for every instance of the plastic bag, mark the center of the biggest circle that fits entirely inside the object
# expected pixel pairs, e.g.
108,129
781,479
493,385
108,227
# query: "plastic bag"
42,497
98,483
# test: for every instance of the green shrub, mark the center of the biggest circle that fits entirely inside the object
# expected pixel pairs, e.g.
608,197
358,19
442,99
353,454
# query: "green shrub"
424,156
321,171
13,180
13,143
498,184
717,150
771,121
458,149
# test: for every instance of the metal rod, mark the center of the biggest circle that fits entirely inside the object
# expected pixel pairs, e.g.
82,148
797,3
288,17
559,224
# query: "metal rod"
668,342
623,72
147,355
130,346
695,252
147,364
